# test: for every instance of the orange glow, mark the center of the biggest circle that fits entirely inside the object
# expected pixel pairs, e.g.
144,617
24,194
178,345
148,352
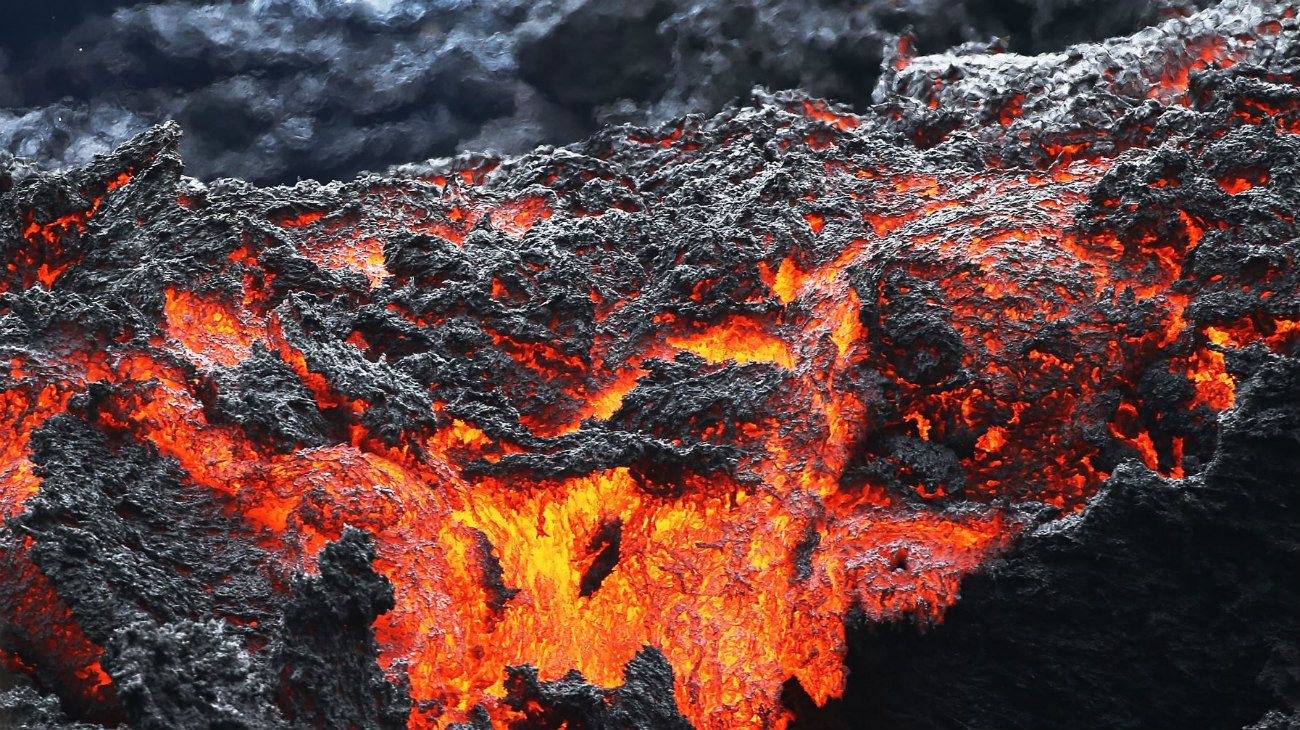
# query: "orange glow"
1241,182
785,282
1214,387
208,327
21,412
516,217
1011,109
51,637
993,439
599,405
820,111
1202,53
922,424
1127,427
302,219
737,339
365,255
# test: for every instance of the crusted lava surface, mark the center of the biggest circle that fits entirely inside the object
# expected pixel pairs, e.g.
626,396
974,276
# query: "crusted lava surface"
981,409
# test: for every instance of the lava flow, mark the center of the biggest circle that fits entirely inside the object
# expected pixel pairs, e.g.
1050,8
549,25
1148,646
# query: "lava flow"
664,408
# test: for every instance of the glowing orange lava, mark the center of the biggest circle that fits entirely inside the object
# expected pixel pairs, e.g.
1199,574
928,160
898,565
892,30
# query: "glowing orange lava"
900,307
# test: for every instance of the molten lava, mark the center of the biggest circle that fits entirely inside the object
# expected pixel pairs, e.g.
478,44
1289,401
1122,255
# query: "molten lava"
710,390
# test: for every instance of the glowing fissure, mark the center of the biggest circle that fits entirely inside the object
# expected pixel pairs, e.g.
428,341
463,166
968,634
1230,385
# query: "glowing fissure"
922,354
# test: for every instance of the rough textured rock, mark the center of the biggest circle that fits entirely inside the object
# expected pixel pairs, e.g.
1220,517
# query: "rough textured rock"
644,700
1162,605
326,654
176,595
663,427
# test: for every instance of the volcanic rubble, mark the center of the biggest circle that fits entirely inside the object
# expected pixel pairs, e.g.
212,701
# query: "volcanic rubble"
979,410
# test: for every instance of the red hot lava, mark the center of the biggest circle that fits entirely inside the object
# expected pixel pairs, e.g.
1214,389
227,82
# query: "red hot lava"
709,390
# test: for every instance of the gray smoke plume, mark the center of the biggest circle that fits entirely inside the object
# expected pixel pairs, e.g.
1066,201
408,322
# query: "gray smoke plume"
272,90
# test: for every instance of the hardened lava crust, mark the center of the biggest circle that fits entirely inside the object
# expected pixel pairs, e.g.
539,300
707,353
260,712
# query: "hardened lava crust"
980,409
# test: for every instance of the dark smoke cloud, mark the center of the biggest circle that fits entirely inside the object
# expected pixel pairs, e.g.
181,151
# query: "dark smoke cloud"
271,90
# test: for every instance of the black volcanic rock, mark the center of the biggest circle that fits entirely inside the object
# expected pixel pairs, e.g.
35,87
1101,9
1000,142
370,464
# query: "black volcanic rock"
276,404
444,330
164,581
1163,604
192,675
644,700
24,707
118,529
326,654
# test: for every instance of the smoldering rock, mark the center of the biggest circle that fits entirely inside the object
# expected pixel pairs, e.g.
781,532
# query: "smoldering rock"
279,405
130,542
327,652
150,591
25,707
708,203
644,700
1164,604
